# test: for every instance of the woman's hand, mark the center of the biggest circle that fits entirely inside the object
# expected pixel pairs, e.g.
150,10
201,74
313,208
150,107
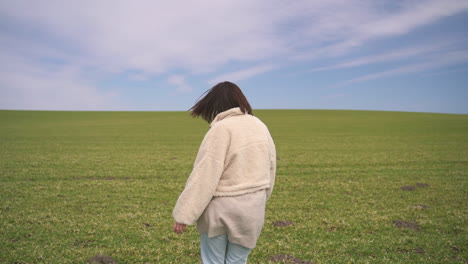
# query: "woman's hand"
179,228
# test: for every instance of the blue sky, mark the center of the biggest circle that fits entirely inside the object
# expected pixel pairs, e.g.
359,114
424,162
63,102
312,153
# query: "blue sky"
403,55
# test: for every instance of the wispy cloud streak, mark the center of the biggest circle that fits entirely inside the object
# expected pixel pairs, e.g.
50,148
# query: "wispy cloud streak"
450,58
367,21
243,74
400,54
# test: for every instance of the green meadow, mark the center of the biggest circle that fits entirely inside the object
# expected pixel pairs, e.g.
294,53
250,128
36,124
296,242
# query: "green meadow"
352,187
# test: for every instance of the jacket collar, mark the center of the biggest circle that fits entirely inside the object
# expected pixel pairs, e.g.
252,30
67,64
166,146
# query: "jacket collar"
231,112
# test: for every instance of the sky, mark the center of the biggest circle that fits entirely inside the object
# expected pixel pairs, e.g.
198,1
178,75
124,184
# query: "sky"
406,55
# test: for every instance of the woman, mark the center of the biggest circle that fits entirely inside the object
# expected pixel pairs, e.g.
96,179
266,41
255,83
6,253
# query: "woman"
232,178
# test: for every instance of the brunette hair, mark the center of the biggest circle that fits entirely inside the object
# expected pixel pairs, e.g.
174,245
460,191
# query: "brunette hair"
221,97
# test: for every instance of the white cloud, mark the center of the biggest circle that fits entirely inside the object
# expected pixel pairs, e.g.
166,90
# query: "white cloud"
154,36
462,69
27,85
449,58
180,83
158,38
413,14
342,27
400,54
53,92
242,74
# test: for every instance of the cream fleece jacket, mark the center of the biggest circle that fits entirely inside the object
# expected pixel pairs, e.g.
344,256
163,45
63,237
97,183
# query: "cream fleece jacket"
237,156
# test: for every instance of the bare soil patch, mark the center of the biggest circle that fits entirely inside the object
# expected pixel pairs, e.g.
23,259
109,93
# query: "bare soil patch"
102,178
147,225
332,228
421,206
289,259
83,243
408,188
16,239
407,224
102,259
282,223
455,249
417,250
412,188
422,185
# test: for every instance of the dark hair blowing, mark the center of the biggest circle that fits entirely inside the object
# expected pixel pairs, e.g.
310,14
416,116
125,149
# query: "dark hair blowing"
221,97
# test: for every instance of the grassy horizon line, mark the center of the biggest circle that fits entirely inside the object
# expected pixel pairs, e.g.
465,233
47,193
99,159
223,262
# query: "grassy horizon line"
257,109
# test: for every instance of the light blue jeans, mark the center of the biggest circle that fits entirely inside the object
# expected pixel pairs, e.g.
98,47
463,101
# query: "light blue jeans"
218,250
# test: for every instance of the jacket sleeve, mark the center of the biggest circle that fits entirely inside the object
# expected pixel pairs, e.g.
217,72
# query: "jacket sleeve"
272,150
203,180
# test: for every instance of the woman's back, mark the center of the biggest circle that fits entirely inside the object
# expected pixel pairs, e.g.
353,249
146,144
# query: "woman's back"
232,178
249,153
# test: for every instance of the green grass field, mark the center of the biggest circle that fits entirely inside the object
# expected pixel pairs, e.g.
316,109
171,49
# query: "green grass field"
77,184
